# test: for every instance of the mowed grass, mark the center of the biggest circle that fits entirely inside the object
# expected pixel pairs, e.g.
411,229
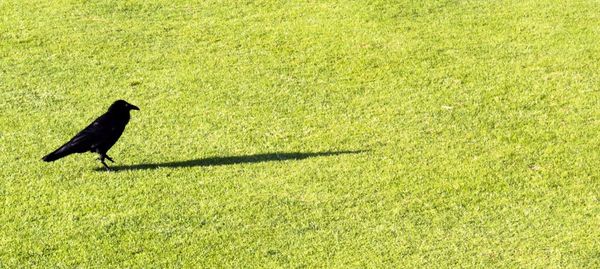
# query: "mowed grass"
303,133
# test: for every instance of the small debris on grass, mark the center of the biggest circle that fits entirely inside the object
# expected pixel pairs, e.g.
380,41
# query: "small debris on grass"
535,167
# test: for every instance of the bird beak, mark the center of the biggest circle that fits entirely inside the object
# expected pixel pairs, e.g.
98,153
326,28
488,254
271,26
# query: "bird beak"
134,107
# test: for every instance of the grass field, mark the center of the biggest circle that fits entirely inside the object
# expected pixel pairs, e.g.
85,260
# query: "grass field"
303,134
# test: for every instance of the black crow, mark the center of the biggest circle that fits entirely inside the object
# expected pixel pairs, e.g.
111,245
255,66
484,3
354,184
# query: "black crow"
99,136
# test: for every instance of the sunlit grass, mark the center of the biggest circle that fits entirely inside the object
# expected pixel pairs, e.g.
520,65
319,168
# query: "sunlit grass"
303,134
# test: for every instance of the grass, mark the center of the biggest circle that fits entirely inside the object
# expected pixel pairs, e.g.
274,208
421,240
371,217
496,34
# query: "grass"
303,133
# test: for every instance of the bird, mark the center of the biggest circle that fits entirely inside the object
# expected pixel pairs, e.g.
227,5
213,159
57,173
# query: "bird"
99,136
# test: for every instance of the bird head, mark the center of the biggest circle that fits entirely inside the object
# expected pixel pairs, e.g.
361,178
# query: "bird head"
122,106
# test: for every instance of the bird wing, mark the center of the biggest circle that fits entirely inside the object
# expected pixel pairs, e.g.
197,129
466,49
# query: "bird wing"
86,140
91,135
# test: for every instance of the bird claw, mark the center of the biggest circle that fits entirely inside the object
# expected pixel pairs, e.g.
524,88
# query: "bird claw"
102,158
105,157
105,165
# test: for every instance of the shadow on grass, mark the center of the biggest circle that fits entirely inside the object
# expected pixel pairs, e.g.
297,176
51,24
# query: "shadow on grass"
229,160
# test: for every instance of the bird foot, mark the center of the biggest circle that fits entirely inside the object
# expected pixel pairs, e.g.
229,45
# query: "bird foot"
105,166
102,158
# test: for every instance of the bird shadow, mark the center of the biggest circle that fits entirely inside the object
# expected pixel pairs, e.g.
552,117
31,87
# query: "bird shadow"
230,160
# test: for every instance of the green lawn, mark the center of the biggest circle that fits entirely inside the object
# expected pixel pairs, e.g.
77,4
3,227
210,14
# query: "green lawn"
303,133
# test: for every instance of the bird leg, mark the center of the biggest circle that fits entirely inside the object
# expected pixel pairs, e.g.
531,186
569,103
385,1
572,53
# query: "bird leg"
102,157
109,158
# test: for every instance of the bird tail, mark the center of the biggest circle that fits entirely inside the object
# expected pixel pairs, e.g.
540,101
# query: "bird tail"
55,155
